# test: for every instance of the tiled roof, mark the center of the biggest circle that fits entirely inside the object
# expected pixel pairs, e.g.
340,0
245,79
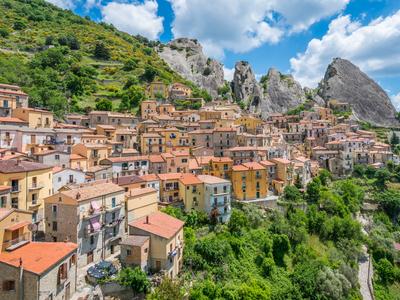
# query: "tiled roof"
267,163
189,179
140,191
11,120
134,240
38,257
92,190
17,166
254,165
160,224
156,158
150,177
127,158
211,179
169,176
74,156
124,180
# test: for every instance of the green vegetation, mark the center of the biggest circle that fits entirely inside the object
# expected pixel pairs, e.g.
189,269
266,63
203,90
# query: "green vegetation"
67,63
135,279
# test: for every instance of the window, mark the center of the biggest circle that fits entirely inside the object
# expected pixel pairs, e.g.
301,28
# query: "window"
57,157
91,240
3,201
54,227
5,103
72,260
14,202
54,209
146,250
113,202
59,179
14,185
34,199
9,285
128,252
215,190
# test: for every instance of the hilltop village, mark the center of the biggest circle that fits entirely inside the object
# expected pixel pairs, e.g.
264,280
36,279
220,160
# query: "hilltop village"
93,188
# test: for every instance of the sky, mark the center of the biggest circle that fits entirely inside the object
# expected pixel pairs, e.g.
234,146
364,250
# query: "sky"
295,36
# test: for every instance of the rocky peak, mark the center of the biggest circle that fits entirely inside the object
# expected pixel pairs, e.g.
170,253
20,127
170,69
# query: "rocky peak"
185,56
245,85
345,82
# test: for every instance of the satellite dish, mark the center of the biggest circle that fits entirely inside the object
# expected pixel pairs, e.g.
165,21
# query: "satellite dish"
32,227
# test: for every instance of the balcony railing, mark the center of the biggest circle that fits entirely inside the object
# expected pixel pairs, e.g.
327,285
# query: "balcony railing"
36,185
18,242
15,188
90,231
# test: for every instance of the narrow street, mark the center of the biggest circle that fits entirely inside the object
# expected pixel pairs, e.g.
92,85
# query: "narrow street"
365,271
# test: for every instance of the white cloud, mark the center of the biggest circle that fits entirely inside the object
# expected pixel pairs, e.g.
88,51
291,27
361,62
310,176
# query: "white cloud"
396,101
240,25
66,4
375,48
228,73
134,18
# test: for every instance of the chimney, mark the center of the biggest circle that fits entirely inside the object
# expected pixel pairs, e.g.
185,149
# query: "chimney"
78,195
147,220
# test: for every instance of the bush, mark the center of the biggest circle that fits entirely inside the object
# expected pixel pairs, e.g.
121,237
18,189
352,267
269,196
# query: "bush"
4,33
19,25
104,104
101,52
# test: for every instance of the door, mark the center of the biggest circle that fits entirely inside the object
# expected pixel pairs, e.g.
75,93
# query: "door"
90,257
67,291
14,234
158,265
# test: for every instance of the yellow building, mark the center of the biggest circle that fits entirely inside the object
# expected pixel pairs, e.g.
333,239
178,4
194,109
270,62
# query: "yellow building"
30,183
92,153
152,143
249,181
106,130
250,124
191,192
166,241
215,166
14,230
140,202
37,118
284,174
78,162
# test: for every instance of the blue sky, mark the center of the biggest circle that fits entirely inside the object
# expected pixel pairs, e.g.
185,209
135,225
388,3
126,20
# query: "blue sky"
296,36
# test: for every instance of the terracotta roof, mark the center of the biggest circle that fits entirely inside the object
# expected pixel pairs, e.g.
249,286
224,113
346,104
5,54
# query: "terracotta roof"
193,164
212,179
239,168
224,129
155,158
189,179
140,191
11,120
17,166
38,257
150,177
180,153
127,158
281,160
160,224
134,240
254,165
74,156
267,163
106,127
4,212
124,180
169,176
92,190
222,159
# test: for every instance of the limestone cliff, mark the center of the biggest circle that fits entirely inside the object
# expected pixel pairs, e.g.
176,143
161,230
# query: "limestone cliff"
186,57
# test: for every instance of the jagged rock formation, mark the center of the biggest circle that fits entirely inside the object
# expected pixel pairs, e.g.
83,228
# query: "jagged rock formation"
345,82
274,93
245,86
281,92
186,57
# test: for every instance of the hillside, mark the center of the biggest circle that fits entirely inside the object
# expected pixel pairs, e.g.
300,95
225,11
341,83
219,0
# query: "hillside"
69,63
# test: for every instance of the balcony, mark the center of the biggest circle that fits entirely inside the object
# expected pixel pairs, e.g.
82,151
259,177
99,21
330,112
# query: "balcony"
112,208
15,188
33,204
91,213
16,243
36,186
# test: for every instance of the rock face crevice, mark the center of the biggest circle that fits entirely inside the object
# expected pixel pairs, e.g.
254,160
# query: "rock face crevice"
345,82
186,57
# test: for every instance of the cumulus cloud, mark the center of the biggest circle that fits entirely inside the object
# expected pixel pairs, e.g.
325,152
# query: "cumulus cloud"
228,73
396,101
134,18
240,26
374,47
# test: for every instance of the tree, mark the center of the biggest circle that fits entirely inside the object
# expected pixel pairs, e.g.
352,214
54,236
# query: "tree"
386,271
19,25
324,176
313,190
292,194
104,104
135,279
168,289
280,247
381,176
149,74
389,200
237,222
4,33
101,51
394,139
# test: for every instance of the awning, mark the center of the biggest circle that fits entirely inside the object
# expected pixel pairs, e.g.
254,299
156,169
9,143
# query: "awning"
95,206
95,224
17,226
